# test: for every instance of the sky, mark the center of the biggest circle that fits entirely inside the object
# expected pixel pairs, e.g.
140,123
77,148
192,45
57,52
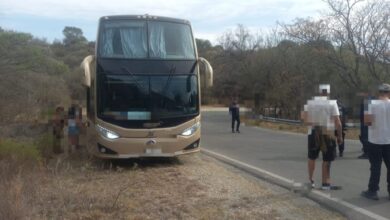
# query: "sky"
209,18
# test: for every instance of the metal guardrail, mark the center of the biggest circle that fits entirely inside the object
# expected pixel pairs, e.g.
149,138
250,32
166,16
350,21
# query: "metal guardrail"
280,120
298,122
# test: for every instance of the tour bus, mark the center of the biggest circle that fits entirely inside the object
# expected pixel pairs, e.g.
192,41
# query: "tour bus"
143,88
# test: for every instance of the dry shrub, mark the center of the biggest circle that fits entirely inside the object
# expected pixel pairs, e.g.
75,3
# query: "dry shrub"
27,95
45,145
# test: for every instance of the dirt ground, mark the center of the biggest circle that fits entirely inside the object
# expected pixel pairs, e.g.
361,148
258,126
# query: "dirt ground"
189,187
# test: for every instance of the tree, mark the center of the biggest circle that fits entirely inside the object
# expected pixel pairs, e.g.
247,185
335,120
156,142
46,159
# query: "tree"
203,45
32,78
359,31
73,35
361,27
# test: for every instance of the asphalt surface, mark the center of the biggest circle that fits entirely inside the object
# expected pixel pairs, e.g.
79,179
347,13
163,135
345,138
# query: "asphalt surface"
285,154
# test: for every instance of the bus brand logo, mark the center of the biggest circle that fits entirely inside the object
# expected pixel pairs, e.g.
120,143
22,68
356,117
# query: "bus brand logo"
151,142
151,134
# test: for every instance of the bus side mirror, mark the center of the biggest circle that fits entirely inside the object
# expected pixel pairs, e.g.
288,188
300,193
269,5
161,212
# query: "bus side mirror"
87,66
208,72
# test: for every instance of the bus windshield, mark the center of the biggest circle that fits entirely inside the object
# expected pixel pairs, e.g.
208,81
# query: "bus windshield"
145,97
133,39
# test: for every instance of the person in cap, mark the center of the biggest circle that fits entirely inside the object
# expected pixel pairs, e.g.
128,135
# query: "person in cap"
322,116
377,118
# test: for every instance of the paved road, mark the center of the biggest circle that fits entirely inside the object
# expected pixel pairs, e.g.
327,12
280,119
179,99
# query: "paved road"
285,153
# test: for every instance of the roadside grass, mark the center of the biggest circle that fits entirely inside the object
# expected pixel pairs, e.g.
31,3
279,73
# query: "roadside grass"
351,133
36,184
23,151
20,170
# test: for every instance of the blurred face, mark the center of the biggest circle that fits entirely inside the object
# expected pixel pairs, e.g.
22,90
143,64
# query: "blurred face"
324,92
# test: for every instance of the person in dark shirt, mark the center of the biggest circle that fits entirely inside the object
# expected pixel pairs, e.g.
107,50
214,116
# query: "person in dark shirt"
363,137
234,110
58,122
343,119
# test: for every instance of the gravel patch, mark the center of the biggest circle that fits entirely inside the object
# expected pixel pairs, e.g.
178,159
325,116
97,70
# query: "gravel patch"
189,187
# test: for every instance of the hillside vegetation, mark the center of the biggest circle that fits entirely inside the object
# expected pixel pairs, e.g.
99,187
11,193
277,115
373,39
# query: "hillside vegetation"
37,76
348,47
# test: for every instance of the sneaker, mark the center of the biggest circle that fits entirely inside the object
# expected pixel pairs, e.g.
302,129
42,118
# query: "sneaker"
370,195
363,156
238,131
336,187
327,186
341,154
233,131
312,184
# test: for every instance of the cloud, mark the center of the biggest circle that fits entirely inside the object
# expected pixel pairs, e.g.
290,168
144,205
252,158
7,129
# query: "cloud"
208,17
217,10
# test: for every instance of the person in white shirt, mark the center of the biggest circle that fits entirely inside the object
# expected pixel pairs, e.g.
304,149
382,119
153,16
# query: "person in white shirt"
322,116
377,118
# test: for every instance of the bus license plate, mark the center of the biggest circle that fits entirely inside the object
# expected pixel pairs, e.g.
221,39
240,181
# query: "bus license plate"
153,151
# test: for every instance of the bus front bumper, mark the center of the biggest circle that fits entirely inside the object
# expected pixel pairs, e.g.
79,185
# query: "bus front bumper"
146,147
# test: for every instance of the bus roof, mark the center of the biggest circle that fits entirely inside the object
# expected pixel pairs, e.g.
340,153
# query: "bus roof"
143,17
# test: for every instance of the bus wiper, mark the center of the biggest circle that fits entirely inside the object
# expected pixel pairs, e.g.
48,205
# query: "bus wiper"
171,72
193,66
133,76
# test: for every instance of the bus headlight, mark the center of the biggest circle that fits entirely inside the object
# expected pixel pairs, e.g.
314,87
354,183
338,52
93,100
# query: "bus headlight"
106,133
191,130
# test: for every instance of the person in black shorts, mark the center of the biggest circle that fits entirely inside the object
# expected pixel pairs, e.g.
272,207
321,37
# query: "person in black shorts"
328,151
322,115
317,141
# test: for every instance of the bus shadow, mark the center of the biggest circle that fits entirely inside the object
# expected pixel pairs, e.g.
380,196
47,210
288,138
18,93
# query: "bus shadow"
141,163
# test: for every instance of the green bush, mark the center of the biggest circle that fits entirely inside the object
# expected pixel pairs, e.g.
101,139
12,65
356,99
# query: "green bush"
11,149
44,144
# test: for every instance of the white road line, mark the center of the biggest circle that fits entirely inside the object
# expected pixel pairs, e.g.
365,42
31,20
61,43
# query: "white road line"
351,206
250,166
289,181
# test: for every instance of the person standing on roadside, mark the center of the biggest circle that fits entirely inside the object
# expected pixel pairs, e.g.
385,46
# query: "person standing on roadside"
377,118
73,123
58,123
343,119
363,137
234,110
322,116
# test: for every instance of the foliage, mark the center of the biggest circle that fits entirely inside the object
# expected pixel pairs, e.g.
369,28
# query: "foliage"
31,78
73,35
347,48
359,31
20,151
44,143
37,75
